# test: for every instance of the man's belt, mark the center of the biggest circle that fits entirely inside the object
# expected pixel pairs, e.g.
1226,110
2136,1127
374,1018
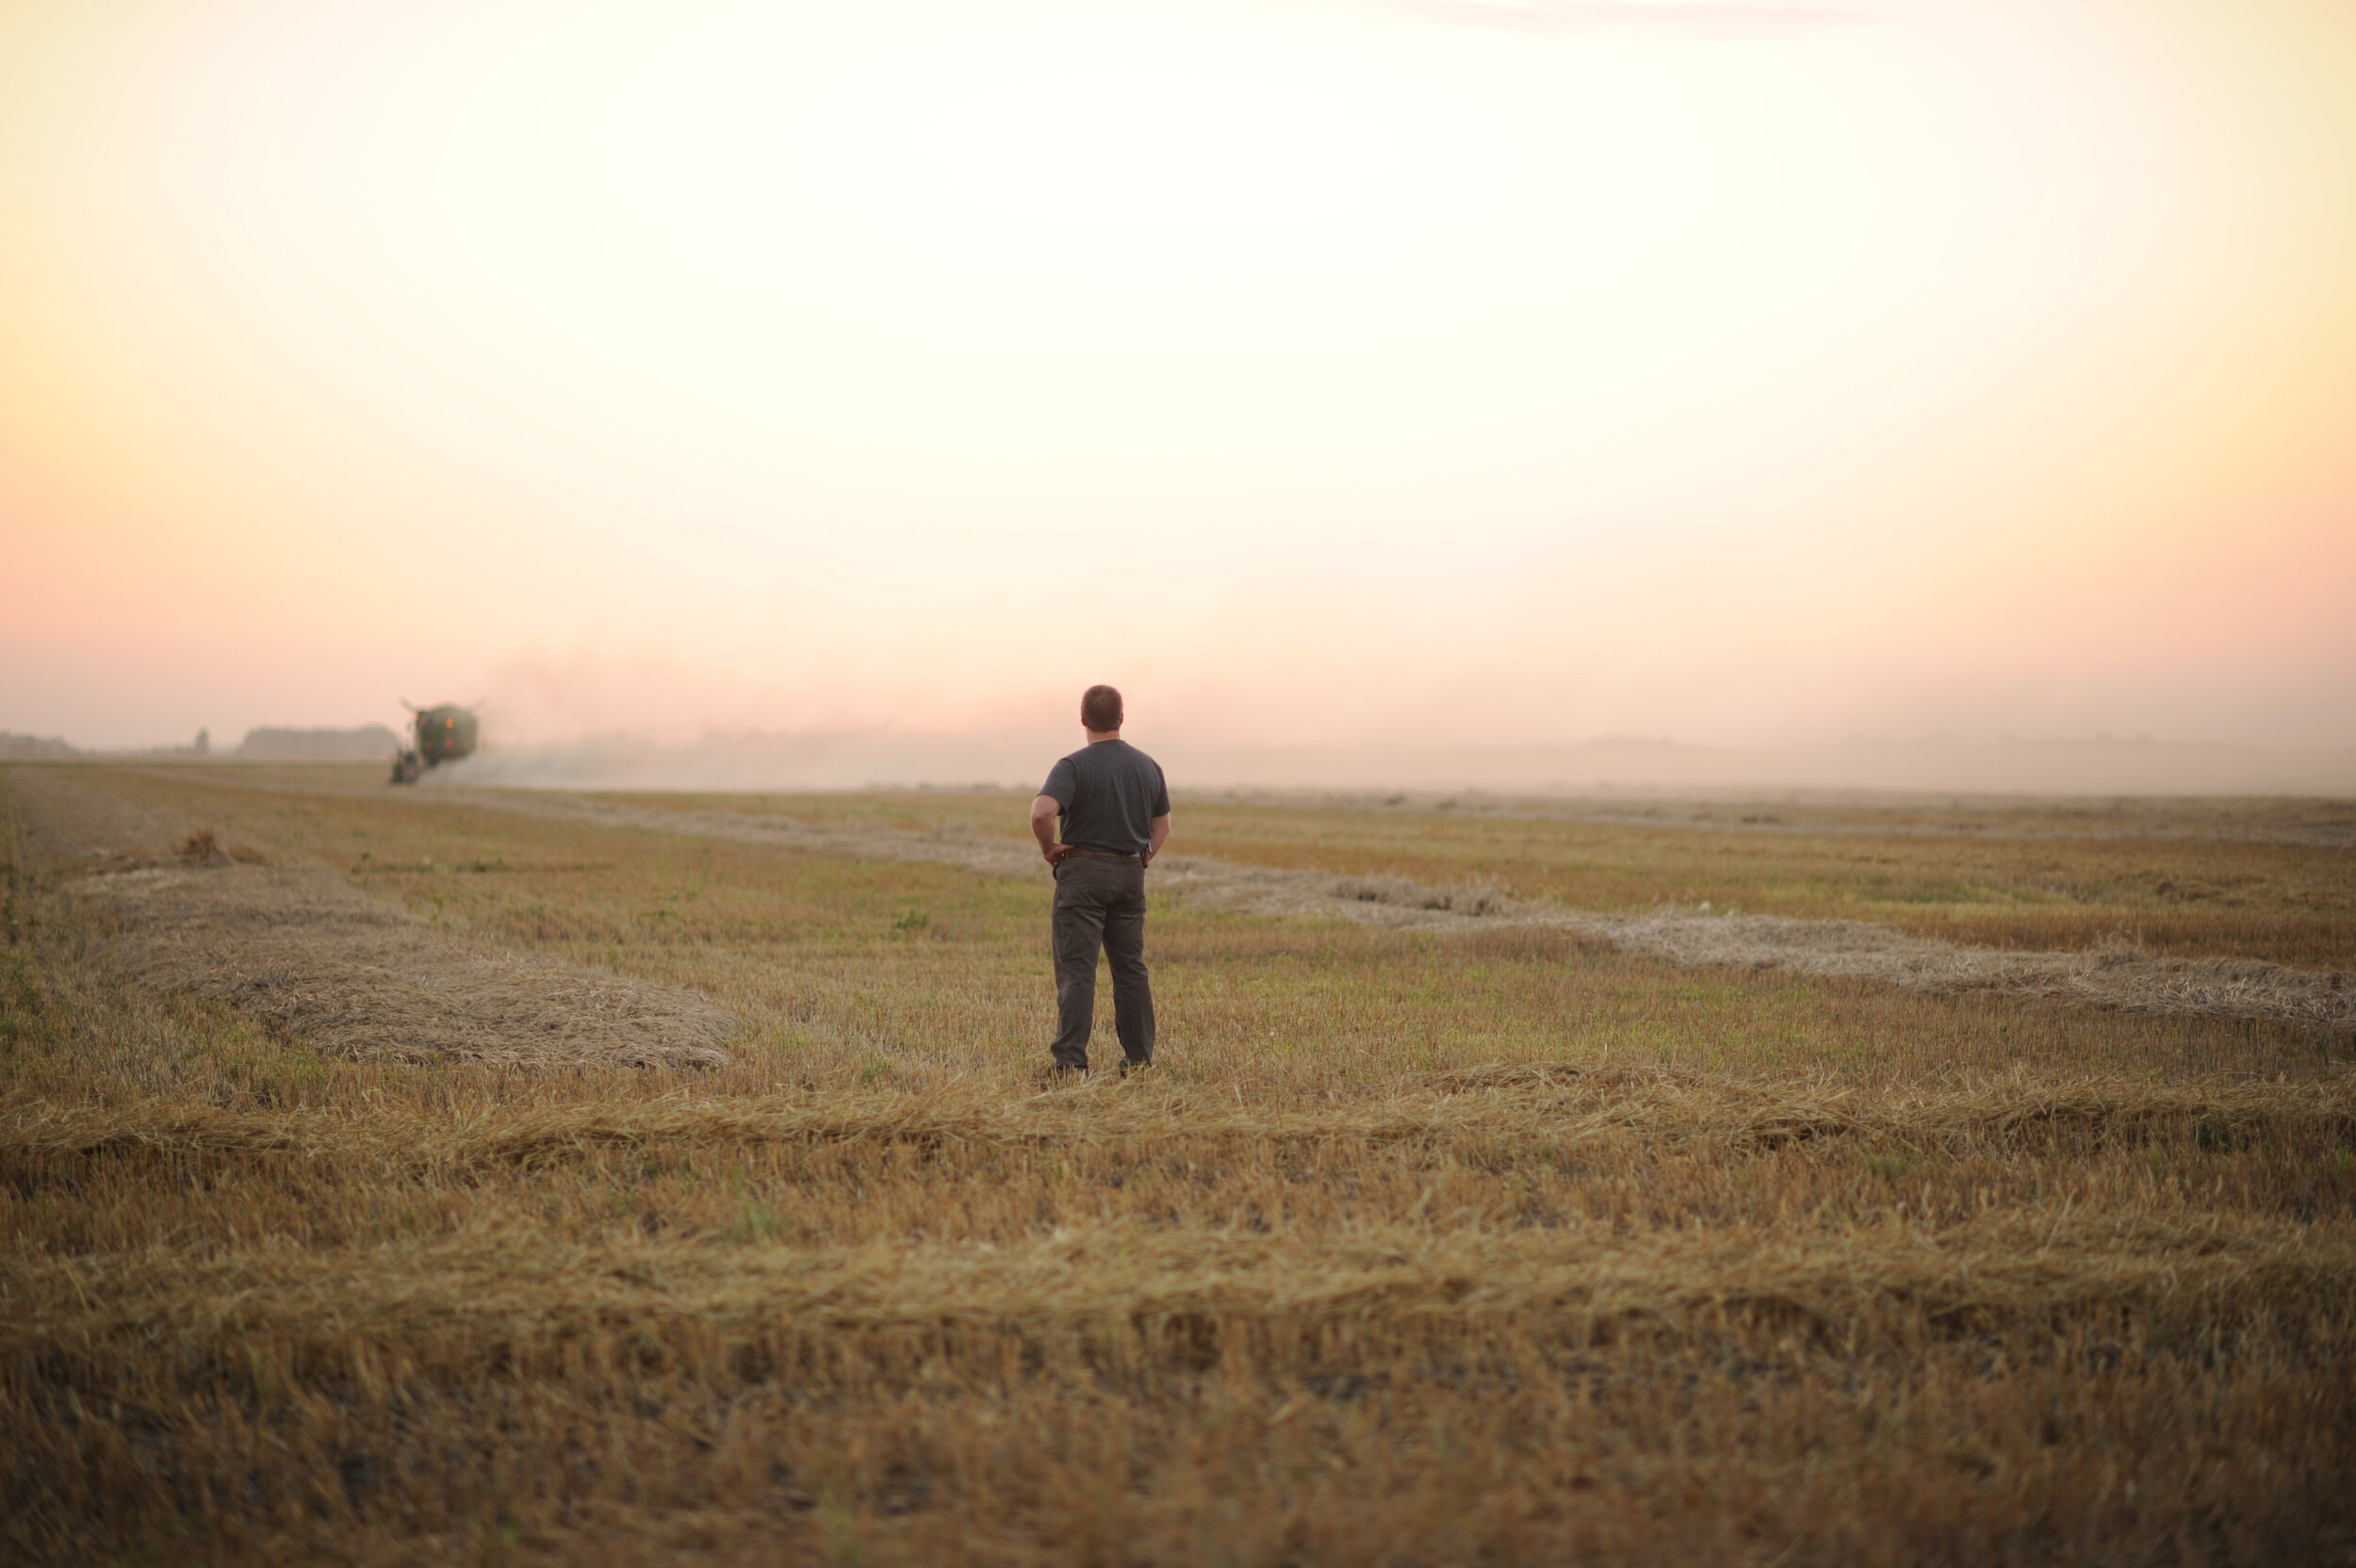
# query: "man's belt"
1100,854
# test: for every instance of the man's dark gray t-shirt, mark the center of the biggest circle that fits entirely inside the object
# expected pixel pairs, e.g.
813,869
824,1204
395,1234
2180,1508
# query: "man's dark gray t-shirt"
1110,793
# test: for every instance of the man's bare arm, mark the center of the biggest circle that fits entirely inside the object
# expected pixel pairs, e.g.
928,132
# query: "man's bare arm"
1044,810
1159,828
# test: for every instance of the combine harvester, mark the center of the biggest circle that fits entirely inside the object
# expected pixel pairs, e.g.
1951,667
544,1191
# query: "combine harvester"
443,734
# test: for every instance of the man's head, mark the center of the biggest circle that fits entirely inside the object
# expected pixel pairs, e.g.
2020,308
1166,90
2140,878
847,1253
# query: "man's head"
1100,710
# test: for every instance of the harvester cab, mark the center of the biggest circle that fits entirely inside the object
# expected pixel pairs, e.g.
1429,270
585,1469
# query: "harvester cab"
439,734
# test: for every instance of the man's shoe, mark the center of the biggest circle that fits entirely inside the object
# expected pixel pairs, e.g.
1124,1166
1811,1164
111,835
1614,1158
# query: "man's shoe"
1127,1068
1062,1077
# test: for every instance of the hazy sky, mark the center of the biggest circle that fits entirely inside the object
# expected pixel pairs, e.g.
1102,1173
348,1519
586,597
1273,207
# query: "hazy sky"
1434,370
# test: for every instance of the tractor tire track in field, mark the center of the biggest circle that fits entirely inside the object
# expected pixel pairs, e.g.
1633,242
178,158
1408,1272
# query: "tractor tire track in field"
2122,977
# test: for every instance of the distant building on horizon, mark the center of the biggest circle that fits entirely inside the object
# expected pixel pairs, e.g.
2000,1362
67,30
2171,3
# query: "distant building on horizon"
15,747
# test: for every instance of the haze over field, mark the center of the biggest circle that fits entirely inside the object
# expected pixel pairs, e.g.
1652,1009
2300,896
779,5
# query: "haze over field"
1444,381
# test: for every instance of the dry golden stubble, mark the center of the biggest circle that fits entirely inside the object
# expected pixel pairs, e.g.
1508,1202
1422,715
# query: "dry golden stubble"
1660,1459
301,950
2109,967
1551,1106
1316,1293
1125,1301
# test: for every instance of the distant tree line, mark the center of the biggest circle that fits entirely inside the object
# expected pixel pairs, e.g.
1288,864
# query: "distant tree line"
367,742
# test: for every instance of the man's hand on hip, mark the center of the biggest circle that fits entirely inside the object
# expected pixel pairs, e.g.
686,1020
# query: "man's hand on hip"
1045,809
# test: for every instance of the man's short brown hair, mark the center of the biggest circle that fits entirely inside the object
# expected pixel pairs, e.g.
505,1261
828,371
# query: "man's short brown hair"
1100,709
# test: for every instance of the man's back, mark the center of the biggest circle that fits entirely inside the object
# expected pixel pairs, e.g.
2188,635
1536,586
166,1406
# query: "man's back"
1110,793
1115,812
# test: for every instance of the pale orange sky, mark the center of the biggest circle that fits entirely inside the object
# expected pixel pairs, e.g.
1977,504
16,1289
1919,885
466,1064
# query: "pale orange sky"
1740,374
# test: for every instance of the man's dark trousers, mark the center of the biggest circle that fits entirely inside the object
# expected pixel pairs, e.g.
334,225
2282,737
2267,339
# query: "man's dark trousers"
1100,903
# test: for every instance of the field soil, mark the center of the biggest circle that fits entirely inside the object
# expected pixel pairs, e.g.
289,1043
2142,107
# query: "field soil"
1461,1219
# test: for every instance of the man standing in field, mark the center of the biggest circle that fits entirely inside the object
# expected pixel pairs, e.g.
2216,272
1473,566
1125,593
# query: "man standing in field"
1116,812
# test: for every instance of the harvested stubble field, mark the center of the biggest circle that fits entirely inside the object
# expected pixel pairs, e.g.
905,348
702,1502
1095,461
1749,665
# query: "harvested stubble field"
1436,1237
